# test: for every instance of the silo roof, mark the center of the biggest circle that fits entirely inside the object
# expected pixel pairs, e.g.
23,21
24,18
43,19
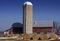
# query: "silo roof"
27,3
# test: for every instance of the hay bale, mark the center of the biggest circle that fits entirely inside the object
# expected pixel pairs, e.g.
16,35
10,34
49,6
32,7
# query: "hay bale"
53,36
9,35
35,37
43,37
26,37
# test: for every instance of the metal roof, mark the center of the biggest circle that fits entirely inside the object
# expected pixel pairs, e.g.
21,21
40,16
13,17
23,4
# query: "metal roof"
43,24
36,24
27,3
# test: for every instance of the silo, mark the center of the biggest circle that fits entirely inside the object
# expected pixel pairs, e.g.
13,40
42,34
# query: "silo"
27,18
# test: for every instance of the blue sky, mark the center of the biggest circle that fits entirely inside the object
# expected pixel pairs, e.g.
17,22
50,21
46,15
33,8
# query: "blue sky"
11,11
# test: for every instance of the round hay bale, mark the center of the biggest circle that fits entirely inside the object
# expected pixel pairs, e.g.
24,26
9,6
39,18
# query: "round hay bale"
17,34
35,37
26,37
43,37
21,35
53,36
12,34
9,35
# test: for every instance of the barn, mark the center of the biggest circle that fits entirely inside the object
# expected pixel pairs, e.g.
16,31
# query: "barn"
43,26
38,27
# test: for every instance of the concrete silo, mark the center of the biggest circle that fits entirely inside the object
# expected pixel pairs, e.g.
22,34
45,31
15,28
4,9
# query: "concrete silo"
27,18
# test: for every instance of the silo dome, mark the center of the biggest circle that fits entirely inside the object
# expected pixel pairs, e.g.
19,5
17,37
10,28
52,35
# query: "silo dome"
27,3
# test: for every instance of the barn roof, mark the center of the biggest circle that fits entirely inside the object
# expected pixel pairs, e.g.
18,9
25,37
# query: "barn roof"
43,24
36,24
